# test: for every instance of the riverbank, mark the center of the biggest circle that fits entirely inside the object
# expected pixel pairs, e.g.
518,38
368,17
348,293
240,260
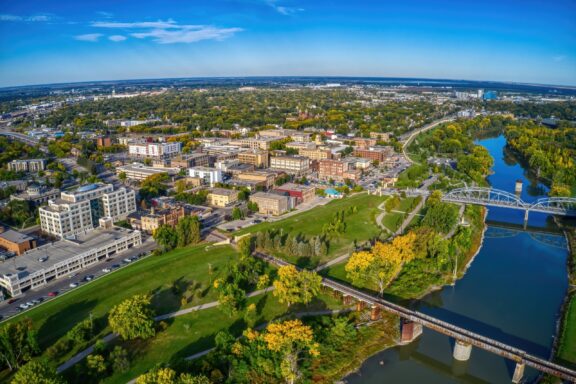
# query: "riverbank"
565,351
427,283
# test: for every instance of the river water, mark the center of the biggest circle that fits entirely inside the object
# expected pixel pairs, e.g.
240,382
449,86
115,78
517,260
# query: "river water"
512,292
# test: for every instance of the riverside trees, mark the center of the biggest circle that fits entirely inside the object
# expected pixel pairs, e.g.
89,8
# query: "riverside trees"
293,286
133,318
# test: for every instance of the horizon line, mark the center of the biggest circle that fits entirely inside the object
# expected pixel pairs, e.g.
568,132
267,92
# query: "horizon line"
530,84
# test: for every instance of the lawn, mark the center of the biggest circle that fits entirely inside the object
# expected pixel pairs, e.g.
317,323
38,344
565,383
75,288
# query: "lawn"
567,349
195,332
154,274
393,220
360,226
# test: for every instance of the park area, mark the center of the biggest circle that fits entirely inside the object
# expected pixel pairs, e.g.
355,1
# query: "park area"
165,276
360,225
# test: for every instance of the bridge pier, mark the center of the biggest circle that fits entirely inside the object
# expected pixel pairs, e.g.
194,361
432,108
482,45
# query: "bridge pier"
347,299
360,305
375,313
409,331
526,218
462,350
518,372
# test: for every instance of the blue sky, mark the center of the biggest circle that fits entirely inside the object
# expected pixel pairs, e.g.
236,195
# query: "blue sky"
64,41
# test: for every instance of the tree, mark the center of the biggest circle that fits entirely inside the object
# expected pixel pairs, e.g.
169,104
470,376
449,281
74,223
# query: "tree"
231,298
188,231
237,214
37,372
166,237
96,364
169,376
133,318
180,186
441,216
253,206
245,246
290,338
119,359
296,287
122,177
18,343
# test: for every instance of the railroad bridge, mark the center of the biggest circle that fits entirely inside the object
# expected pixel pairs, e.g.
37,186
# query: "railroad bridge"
564,206
412,323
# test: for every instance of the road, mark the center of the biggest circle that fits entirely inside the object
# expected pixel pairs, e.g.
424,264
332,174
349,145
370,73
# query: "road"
63,285
418,131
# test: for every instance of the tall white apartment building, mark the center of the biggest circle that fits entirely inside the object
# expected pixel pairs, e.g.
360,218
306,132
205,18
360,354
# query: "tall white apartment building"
209,175
79,211
155,150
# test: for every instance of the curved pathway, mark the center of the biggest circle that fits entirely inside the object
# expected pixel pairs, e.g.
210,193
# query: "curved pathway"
416,132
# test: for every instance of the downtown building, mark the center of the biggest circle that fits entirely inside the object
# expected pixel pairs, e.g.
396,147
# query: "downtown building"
154,150
79,211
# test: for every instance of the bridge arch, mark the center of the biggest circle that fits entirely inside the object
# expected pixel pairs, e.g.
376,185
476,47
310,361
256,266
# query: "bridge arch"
485,196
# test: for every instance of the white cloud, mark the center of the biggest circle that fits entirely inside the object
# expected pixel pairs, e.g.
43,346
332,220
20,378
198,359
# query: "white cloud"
145,24
169,31
282,9
106,15
32,18
117,38
92,37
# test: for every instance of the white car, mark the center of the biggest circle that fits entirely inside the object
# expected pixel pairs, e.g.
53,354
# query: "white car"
106,270
23,306
73,285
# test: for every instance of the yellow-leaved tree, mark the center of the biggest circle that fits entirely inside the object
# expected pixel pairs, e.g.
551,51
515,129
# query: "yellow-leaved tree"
133,318
290,338
293,286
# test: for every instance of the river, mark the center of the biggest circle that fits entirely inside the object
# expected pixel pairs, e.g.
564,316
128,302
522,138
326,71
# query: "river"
512,292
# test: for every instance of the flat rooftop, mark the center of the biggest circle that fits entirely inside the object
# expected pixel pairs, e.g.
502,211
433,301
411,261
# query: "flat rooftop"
294,187
15,237
61,250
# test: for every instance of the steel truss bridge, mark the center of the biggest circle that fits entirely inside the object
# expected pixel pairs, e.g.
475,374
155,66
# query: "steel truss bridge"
564,206
521,357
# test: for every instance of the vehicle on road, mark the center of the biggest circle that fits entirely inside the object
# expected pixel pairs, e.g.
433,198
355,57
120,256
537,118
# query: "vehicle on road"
88,277
73,285
53,293
106,270
73,275
12,300
115,266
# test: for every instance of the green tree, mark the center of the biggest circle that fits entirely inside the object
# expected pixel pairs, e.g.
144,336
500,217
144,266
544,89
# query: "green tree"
237,214
37,372
119,359
188,230
122,177
441,216
18,343
231,298
166,237
133,318
96,365
245,246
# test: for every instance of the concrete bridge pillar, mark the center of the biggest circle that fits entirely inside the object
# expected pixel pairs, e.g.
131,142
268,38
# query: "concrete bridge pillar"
409,331
518,372
375,313
462,350
347,299
526,213
360,305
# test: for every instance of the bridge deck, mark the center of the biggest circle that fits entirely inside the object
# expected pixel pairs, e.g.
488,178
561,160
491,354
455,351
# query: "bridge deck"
445,328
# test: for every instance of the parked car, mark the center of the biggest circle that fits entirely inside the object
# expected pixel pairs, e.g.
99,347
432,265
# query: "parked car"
23,306
12,300
73,285
73,275
106,270
88,277
127,261
115,266
53,293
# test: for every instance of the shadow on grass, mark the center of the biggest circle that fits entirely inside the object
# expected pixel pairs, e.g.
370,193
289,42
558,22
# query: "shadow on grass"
61,322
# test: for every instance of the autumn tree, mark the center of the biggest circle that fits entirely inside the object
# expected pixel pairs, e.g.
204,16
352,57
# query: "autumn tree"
133,318
169,376
18,343
293,287
96,365
37,372
290,338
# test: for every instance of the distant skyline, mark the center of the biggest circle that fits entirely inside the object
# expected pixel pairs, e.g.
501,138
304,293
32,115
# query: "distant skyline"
73,41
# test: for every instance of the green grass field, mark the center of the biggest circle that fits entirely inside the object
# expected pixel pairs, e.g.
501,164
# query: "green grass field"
195,332
361,226
567,349
153,274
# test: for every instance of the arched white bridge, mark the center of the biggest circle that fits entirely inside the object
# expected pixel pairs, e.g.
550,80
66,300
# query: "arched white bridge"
564,206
